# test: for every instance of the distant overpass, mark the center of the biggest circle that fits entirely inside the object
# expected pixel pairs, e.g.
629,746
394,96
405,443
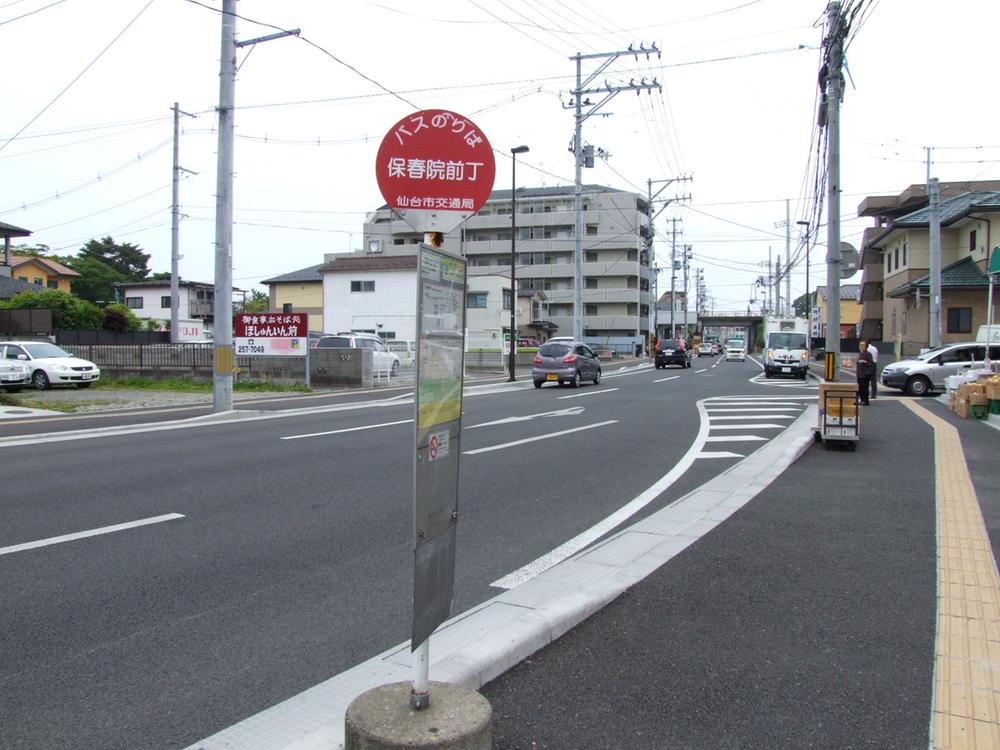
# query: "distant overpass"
727,324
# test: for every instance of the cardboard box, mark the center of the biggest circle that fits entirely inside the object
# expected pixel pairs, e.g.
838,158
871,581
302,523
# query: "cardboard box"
993,391
962,408
978,399
839,408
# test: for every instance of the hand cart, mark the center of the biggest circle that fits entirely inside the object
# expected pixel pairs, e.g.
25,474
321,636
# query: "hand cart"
839,417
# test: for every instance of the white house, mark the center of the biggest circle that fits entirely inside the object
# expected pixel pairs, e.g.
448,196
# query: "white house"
371,293
150,300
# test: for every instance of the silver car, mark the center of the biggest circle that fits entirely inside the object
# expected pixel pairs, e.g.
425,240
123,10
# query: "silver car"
927,372
14,375
565,361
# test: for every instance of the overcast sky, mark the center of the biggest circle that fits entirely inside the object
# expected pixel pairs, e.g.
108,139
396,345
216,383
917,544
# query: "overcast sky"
85,150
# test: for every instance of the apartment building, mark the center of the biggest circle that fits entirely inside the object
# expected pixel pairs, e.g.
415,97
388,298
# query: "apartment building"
616,270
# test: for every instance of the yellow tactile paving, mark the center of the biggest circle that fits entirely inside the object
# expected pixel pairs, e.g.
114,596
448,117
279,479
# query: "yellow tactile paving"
966,713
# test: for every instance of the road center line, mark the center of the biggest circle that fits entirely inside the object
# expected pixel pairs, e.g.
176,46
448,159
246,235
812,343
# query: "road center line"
589,393
514,443
92,532
347,429
663,380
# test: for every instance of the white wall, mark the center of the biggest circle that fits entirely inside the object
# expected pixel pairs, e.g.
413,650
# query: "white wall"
393,303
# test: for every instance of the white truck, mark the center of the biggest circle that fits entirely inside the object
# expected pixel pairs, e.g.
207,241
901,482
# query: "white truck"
786,347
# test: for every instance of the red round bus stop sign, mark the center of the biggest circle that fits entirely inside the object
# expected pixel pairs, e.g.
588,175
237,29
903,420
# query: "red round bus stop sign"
435,168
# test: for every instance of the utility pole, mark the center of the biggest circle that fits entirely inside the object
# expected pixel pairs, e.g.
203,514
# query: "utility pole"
651,196
175,230
832,78
777,285
788,258
222,308
609,92
687,257
673,273
934,195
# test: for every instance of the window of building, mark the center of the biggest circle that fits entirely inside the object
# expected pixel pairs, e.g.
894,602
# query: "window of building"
959,320
590,282
39,281
476,300
165,301
590,309
888,262
506,299
972,241
896,253
133,303
904,252
362,286
398,240
591,230
590,256
893,323
52,284
903,328
286,307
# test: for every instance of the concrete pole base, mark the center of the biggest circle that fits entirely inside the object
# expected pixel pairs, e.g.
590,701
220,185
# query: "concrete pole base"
381,719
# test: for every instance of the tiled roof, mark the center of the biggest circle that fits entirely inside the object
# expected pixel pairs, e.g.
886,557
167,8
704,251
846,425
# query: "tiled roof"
303,274
953,209
963,274
847,291
371,263
52,265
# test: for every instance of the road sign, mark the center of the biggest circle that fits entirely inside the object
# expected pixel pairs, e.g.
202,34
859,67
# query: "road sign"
435,168
271,334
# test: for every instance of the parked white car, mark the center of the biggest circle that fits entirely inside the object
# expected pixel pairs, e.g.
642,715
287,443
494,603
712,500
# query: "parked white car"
49,365
14,375
385,361
405,350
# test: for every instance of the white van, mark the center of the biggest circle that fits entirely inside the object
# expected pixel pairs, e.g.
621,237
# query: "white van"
736,350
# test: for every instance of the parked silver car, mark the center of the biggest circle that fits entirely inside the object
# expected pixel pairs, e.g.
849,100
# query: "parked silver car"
565,361
926,373
14,375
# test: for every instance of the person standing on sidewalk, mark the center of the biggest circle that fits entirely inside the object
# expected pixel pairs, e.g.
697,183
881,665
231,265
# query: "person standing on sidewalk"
874,353
864,369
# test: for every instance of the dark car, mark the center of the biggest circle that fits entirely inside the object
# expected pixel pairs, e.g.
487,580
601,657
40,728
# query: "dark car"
565,361
672,352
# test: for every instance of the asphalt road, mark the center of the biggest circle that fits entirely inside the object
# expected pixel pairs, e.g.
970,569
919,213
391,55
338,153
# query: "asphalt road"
290,558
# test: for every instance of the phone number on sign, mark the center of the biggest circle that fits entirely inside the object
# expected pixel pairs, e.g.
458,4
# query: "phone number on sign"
249,349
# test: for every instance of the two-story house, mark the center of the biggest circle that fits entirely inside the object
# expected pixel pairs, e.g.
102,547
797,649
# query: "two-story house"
895,263
150,300
43,272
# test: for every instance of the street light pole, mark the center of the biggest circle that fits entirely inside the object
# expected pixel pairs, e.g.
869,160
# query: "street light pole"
513,262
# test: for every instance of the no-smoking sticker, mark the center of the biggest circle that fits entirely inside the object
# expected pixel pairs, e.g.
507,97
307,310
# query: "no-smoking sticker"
438,445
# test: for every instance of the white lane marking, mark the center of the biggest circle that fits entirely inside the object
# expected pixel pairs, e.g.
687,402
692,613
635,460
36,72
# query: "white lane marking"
700,371
588,393
347,429
570,411
92,532
720,454
751,416
515,443
595,532
735,439
753,409
663,380
764,426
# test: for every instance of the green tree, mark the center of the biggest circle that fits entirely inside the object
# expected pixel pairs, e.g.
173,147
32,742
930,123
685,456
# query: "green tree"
119,318
96,282
125,258
68,312
257,302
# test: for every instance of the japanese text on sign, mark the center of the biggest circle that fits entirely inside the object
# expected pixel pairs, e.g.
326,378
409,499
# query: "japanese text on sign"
439,120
